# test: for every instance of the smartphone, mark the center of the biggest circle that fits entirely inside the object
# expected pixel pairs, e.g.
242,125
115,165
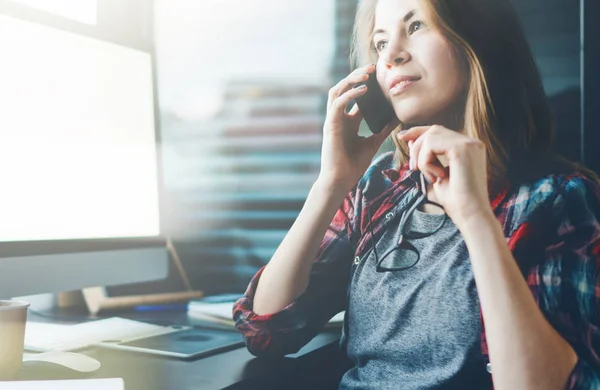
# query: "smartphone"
376,109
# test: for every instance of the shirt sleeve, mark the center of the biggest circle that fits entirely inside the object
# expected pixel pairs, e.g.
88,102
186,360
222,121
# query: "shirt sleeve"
288,330
571,278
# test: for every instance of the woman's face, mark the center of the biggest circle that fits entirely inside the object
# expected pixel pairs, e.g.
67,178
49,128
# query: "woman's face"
417,68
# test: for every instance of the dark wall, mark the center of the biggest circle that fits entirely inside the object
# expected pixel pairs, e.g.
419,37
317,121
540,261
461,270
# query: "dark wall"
591,84
553,30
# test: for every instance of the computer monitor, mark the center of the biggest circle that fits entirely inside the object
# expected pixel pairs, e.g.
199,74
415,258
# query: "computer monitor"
79,167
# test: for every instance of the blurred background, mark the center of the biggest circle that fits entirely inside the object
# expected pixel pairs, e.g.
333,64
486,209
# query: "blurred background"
242,87
242,90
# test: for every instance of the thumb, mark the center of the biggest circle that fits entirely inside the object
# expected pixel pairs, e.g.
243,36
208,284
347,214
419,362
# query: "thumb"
355,114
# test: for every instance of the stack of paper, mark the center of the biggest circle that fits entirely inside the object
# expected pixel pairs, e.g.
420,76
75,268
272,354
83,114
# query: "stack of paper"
218,313
221,313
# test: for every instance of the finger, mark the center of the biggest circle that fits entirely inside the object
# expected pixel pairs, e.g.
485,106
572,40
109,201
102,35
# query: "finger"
423,159
443,142
428,162
414,148
355,114
359,75
413,133
444,161
341,102
441,132
354,78
435,160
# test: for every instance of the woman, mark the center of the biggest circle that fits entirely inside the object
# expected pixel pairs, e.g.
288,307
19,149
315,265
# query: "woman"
469,259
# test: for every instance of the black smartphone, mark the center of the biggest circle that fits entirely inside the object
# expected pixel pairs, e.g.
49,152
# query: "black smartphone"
376,109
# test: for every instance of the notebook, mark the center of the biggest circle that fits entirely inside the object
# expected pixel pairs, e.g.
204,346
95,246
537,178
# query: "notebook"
221,313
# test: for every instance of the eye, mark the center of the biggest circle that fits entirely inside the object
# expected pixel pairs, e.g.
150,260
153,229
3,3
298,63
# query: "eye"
379,45
414,26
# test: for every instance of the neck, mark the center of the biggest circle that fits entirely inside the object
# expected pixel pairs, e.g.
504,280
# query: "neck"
455,124
452,117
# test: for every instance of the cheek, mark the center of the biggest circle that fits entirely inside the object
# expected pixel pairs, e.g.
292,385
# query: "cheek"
439,57
381,78
442,66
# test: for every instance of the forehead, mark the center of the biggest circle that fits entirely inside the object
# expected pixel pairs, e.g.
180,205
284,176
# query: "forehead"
393,11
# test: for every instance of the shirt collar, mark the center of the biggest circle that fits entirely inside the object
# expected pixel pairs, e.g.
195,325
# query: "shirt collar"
398,175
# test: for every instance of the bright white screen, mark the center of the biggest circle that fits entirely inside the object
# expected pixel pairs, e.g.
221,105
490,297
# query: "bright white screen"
77,144
84,11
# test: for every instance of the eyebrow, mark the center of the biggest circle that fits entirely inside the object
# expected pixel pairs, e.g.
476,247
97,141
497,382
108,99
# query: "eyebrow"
406,18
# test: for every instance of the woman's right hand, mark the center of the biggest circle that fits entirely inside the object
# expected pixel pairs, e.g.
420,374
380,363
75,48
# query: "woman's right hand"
345,155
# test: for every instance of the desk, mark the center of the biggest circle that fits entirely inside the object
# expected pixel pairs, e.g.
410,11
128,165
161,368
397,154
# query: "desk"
236,369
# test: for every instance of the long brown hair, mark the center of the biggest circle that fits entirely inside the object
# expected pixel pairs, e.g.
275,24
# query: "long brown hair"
506,106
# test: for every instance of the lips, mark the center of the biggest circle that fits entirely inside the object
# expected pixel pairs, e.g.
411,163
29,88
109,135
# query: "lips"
400,83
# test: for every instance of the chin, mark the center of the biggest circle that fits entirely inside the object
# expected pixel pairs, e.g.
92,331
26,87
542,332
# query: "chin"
412,114
411,118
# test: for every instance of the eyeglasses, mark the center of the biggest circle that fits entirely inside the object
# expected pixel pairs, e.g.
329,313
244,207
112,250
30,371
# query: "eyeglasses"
405,255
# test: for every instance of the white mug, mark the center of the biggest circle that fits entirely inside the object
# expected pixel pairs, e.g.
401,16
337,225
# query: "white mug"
13,318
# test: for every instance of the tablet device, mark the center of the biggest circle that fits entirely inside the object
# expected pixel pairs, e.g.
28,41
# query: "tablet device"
187,343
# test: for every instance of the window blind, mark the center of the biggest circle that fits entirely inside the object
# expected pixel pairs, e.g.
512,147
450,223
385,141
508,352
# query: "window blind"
244,176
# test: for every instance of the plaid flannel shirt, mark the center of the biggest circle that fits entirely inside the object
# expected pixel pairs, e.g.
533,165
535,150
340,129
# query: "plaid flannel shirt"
552,227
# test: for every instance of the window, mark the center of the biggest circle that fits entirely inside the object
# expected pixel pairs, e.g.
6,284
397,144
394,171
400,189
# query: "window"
242,91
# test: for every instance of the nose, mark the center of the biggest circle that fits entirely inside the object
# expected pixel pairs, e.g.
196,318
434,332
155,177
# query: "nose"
396,55
399,59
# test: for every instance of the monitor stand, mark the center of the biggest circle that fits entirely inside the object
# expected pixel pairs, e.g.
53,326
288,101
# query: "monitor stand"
98,299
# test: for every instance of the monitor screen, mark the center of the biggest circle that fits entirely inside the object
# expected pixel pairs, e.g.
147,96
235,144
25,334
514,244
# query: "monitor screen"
78,155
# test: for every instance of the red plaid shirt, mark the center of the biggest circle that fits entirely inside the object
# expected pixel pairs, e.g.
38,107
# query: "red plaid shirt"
552,227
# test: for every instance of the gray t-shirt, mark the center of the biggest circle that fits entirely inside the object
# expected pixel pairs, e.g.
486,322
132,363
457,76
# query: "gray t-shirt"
418,328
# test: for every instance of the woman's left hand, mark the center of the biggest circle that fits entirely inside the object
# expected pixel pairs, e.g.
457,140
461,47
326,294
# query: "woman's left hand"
456,165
